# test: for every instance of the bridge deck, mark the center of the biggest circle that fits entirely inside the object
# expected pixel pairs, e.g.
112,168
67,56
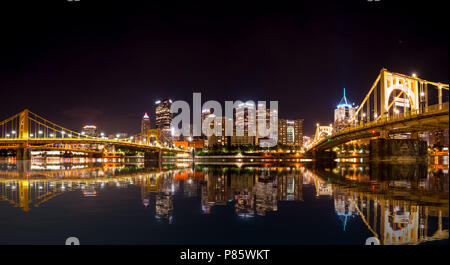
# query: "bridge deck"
432,118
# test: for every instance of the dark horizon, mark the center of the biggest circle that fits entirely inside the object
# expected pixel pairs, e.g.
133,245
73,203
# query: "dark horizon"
106,63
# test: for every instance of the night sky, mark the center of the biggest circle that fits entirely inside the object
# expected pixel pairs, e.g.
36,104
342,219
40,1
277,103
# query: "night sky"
106,62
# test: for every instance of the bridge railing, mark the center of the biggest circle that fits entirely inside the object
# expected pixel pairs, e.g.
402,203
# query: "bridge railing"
400,116
6,142
396,117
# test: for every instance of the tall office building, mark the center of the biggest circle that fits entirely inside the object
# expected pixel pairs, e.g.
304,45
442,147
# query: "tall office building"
205,114
264,116
90,130
145,124
343,114
290,132
242,117
164,116
216,140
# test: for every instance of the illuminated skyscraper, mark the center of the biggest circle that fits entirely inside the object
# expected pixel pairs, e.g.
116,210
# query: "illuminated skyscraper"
264,116
90,130
343,114
218,140
290,132
164,116
244,115
145,124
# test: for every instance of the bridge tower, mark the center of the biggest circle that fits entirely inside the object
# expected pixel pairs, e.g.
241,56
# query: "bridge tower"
409,91
24,125
322,132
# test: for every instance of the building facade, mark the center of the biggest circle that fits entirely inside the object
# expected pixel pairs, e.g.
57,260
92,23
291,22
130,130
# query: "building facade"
90,130
290,132
244,114
145,124
343,114
218,140
263,117
163,116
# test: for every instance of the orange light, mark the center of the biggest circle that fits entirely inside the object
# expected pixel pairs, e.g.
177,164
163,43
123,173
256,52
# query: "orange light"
373,131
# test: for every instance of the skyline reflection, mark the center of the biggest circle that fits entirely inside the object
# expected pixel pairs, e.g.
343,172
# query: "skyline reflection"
398,208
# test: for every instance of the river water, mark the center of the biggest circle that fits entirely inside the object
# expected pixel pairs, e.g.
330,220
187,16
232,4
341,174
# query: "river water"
182,203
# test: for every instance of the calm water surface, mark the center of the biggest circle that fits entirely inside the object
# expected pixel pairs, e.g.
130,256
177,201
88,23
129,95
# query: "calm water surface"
43,203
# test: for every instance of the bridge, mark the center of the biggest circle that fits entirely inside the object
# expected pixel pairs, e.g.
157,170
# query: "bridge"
27,131
395,104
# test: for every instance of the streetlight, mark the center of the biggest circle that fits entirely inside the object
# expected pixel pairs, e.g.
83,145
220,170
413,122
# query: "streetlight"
317,124
62,133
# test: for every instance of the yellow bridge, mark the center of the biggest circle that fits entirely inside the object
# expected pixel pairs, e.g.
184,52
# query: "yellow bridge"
395,104
28,131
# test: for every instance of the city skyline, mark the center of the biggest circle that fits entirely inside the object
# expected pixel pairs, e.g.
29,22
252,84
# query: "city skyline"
212,126
129,59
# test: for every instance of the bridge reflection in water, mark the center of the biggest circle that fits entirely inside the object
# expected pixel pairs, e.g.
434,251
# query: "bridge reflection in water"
396,209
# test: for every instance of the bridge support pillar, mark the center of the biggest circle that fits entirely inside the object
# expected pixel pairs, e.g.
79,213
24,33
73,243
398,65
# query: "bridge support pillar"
384,134
155,155
23,153
415,136
398,150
